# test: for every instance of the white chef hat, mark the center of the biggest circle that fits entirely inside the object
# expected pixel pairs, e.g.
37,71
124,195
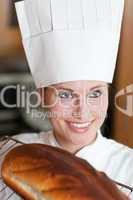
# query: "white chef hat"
68,40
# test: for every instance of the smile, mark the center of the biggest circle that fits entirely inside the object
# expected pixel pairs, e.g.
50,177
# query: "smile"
79,127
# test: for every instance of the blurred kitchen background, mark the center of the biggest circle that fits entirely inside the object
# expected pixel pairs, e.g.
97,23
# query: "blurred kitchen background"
14,70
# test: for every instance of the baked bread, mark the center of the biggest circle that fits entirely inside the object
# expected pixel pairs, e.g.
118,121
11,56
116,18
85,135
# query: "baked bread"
42,172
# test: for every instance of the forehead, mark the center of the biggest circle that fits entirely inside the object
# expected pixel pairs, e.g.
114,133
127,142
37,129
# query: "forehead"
81,85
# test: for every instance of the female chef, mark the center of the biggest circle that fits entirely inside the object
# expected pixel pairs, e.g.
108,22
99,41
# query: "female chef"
71,47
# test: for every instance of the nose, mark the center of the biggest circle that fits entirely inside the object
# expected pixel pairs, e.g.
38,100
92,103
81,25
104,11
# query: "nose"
82,111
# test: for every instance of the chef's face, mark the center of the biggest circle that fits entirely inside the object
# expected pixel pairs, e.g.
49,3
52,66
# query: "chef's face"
77,110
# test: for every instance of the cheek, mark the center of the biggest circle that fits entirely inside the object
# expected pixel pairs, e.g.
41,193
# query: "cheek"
61,112
99,109
57,119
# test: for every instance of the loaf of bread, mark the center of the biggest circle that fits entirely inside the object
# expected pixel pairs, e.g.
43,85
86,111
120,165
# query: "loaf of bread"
42,172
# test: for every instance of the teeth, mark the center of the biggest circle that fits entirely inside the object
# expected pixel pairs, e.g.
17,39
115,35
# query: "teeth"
83,125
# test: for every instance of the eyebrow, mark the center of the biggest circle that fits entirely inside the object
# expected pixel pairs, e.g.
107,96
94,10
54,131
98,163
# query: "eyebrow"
64,88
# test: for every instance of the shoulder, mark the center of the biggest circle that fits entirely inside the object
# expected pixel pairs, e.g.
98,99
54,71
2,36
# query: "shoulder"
9,143
119,151
120,160
41,137
118,148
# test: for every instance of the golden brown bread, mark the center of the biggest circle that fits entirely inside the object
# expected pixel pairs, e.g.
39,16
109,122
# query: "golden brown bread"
42,172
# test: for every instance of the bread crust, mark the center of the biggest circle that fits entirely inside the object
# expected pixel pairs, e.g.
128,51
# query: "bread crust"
43,172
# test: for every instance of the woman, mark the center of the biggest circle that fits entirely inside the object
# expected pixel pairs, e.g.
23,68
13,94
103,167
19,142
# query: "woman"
77,109
71,47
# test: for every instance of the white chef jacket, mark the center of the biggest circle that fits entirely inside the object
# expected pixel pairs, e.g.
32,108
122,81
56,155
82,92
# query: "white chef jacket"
115,159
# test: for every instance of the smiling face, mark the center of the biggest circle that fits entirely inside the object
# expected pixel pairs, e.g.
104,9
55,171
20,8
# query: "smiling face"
78,109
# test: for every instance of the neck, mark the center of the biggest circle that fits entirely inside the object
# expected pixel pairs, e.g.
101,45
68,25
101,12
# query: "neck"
70,147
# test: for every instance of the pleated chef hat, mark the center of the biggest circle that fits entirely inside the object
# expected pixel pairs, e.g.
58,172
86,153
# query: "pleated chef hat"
68,40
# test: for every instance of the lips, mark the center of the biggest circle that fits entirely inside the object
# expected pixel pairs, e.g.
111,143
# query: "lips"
79,127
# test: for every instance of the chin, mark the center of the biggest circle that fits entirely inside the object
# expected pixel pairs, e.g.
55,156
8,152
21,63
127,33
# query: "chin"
81,139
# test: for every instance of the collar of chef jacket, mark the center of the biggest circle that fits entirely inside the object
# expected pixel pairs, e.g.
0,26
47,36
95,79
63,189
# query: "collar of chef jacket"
89,151
102,153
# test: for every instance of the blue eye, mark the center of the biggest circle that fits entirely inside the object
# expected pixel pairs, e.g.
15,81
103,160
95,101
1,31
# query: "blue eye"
95,94
65,95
